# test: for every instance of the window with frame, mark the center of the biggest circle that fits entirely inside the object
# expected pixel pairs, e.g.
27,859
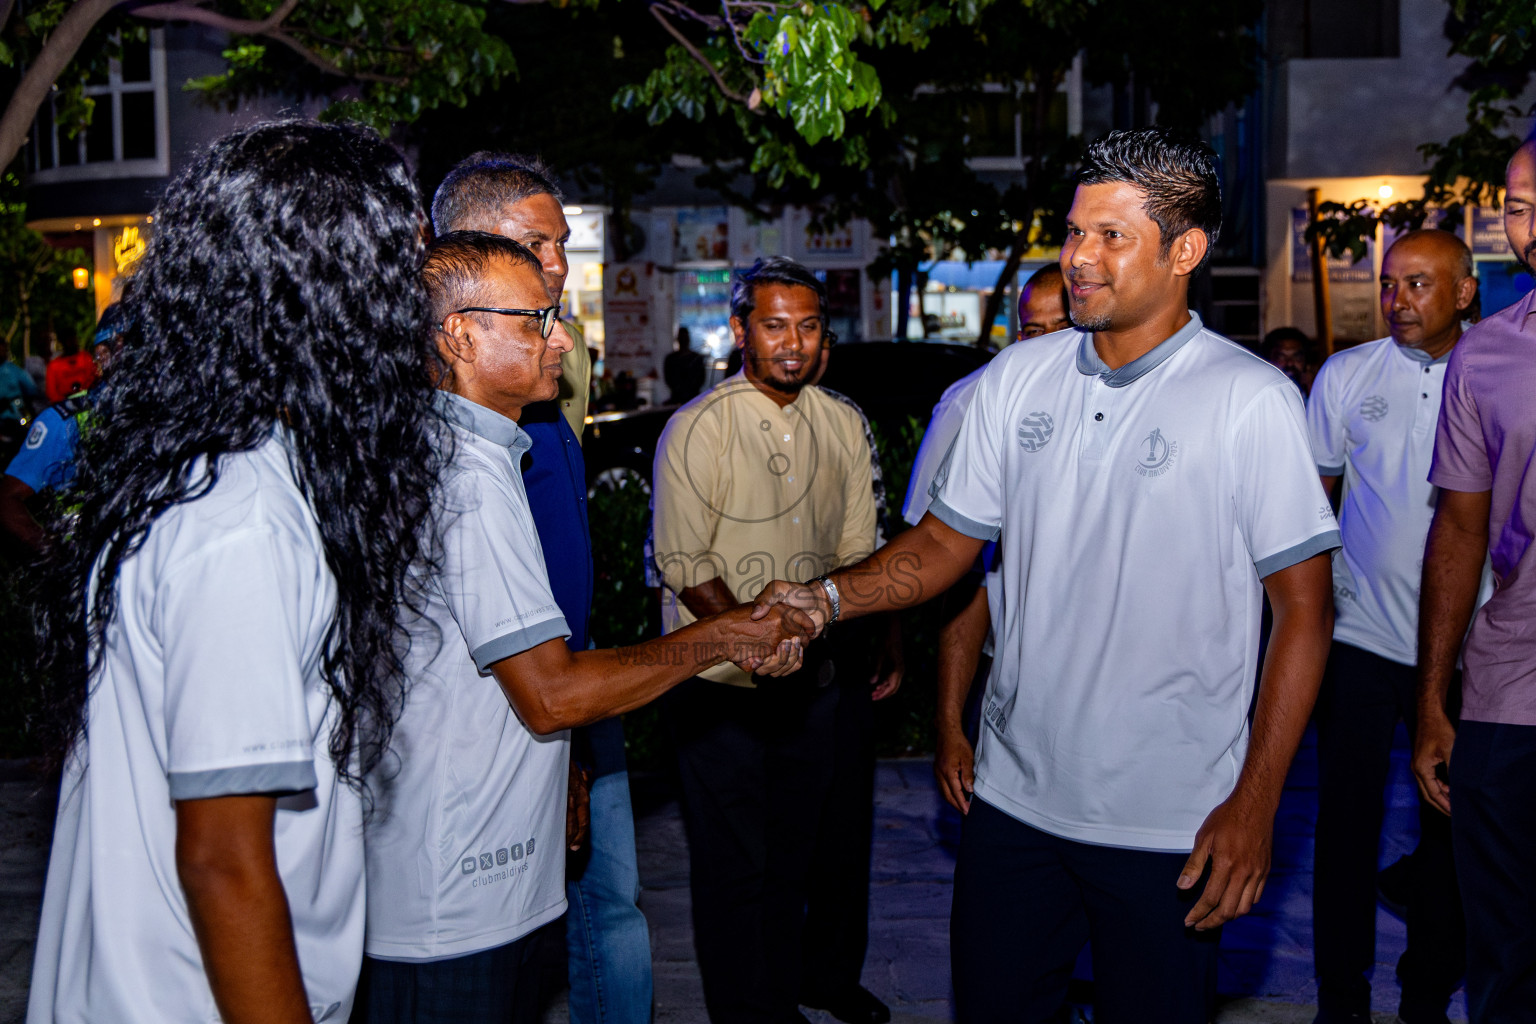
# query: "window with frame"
129,131
1001,119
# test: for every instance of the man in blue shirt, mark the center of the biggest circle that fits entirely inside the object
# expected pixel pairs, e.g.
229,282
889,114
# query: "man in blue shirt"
46,461
17,391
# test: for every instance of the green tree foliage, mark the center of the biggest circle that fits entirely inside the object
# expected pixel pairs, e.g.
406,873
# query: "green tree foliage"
37,293
1467,169
382,62
887,130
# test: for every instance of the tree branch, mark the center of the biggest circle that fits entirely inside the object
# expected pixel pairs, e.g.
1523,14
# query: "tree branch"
330,67
269,27
189,11
741,47
725,90
343,44
6,6
57,51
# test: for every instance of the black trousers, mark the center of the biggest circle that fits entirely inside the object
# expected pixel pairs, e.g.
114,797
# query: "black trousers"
1493,821
776,818
1026,901
1363,696
494,986
836,934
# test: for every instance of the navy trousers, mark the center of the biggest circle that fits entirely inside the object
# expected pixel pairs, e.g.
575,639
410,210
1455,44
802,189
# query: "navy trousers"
493,986
1362,698
1493,826
1025,902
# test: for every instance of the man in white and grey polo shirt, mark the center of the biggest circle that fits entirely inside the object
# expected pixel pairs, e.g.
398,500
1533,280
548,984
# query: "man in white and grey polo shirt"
1371,417
465,851
1150,482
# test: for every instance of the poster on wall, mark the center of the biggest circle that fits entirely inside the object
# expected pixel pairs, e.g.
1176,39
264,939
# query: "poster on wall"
629,319
1488,238
1341,270
845,241
703,234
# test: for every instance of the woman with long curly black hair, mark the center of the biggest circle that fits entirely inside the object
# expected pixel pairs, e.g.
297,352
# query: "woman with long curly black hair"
223,630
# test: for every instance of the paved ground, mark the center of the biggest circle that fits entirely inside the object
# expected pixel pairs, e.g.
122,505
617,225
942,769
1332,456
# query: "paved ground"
1266,962
1266,967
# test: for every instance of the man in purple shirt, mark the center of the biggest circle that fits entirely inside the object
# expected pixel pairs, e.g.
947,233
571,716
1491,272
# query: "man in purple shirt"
1484,446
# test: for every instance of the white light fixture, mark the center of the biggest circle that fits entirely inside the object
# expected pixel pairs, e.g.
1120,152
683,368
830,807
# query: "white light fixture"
572,211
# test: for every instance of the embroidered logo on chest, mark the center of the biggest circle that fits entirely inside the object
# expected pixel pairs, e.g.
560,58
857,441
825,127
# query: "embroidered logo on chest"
1155,455
1035,431
1374,408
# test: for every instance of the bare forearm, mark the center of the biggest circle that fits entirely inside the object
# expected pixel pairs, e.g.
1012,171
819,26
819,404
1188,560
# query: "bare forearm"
960,642
708,598
240,915
1293,671
553,688
919,564
1453,566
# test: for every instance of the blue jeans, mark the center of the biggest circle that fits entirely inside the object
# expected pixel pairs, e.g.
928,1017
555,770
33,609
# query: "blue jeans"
607,940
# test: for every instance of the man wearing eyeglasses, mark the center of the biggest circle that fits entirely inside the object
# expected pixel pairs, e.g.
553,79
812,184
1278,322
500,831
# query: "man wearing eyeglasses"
607,940
766,473
465,860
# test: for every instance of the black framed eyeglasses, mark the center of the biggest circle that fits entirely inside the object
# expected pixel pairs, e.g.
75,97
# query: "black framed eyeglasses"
546,316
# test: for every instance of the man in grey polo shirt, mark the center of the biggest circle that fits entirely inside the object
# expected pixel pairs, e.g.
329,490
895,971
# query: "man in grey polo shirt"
465,858
1149,482
1371,417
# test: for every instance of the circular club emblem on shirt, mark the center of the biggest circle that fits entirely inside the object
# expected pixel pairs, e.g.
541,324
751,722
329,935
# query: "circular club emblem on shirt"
37,434
1035,431
1155,454
1374,408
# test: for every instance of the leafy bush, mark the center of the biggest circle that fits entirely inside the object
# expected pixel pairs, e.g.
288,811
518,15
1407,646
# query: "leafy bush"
624,609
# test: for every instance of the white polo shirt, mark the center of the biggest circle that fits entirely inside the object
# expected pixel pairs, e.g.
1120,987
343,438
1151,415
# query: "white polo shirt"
466,848
1138,510
1371,419
209,685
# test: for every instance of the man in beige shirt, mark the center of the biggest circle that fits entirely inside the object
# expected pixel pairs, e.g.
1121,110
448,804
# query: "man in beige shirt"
763,475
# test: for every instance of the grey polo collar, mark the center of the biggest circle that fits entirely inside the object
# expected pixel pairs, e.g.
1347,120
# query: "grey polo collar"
1089,363
483,422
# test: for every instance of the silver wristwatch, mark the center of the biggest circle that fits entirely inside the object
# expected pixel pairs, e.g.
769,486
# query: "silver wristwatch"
832,597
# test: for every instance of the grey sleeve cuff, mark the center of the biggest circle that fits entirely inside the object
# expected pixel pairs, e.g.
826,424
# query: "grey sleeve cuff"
962,524
287,777
1299,553
517,642
1330,470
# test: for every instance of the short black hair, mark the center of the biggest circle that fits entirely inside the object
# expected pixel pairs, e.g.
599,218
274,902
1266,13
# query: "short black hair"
1175,170
773,270
489,182
456,265
1279,336
1041,274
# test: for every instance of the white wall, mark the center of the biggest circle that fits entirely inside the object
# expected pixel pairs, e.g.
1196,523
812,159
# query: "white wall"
1369,116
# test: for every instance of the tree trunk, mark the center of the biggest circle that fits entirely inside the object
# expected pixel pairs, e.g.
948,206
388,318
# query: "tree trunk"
62,45
995,298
